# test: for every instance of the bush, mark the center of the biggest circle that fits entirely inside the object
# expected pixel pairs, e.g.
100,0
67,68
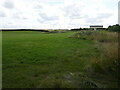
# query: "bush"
97,36
79,29
114,28
108,61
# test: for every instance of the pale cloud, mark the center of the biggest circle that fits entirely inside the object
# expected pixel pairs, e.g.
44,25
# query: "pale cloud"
73,11
45,17
8,4
98,19
2,14
57,13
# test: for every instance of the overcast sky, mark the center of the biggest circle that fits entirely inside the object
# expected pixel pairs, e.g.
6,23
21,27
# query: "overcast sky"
57,14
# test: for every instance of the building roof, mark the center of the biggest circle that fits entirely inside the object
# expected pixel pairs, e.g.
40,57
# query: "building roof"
96,25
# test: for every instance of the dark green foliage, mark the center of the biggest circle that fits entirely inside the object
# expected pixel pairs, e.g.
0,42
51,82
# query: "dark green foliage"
114,28
101,28
79,29
75,29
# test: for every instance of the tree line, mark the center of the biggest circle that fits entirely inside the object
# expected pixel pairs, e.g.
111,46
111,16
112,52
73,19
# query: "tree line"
114,28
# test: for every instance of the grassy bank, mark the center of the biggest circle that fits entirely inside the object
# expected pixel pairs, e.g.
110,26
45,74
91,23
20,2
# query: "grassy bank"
42,60
106,65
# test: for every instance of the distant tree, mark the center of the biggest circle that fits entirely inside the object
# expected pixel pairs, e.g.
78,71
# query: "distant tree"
115,28
75,29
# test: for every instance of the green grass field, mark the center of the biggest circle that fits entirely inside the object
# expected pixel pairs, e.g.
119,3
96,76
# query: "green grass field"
49,60
0,59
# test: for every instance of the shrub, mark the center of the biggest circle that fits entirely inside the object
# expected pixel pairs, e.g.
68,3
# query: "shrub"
108,61
97,36
114,28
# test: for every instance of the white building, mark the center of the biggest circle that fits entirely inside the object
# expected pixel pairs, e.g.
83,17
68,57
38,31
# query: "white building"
96,26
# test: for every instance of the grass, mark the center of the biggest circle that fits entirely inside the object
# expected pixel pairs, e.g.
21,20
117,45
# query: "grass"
50,60
108,61
0,59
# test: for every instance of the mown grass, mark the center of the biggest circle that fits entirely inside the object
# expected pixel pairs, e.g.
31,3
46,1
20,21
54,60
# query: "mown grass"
51,60
0,59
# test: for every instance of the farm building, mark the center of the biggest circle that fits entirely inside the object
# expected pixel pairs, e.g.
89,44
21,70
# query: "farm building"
96,26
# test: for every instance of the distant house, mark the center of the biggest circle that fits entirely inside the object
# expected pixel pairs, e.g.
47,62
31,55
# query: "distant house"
96,26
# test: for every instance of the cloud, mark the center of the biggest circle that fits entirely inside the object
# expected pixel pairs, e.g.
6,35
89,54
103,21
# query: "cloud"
73,11
8,4
57,13
45,17
98,19
104,15
2,14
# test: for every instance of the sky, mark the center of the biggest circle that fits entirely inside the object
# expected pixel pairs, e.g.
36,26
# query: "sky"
57,14
119,13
